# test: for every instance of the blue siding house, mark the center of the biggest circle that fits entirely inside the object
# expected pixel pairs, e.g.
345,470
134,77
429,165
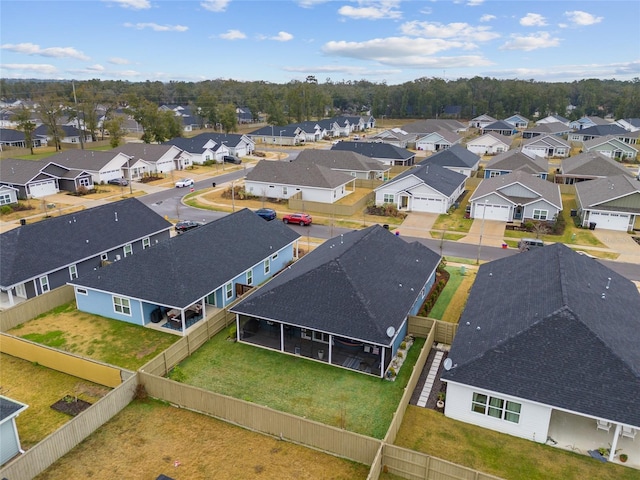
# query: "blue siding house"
507,162
39,257
346,303
176,283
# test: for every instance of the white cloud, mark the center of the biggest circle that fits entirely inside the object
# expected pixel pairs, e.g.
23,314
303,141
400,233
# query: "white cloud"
475,3
385,9
531,42
33,49
281,37
215,5
132,4
405,51
157,28
119,61
571,72
461,31
578,17
533,20
233,35
487,18
343,69
30,67
310,3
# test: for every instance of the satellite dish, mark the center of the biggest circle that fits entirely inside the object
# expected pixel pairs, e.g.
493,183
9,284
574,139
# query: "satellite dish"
391,332
447,364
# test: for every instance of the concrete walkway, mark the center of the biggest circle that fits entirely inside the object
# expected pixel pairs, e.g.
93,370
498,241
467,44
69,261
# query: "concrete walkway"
492,233
417,224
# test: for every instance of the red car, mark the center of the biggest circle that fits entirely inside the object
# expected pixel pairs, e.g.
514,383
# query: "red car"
299,218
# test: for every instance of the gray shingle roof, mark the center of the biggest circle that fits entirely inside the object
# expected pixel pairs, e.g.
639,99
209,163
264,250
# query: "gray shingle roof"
601,190
375,150
341,160
456,156
433,125
345,286
8,408
592,164
185,268
439,178
89,160
552,128
145,151
499,125
603,130
545,189
297,173
535,326
38,248
20,172
515,159
10,135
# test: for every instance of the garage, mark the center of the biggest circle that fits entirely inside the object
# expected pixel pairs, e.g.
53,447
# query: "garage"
492,212
427,204
610,221
42,189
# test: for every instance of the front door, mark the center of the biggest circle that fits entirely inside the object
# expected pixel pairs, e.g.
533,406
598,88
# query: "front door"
517,214
21,291
404,202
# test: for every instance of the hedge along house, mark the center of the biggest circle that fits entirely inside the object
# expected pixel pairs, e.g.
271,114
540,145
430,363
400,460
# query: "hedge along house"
346,303
176,283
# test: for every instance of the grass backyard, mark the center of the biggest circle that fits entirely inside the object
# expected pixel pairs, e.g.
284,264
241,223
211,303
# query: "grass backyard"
334,396
130,446
453,298
508,457
111,341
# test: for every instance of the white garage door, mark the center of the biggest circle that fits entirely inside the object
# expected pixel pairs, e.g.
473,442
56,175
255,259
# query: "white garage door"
42,189
610,221
493,212
427,204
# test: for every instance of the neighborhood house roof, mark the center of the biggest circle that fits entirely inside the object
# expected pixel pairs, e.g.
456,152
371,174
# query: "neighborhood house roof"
148,152
341,160
439,178
592,163
305,174
456,156
556,328
346,286
185,268
515,160
595,192
544,189
21,172
375,150
43,247
88,160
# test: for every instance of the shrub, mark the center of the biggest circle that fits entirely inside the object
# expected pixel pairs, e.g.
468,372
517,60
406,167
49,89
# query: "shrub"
177,374
6,210
233,330
403,345
400,354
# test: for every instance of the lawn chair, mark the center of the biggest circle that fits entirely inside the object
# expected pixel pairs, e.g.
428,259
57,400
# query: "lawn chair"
629,432
603,425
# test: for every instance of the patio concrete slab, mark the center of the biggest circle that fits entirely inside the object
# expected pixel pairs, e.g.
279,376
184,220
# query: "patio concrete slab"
417,224
492,233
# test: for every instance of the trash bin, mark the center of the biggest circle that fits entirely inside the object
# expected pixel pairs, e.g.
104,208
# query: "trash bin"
504,245
213,184
574,213
385,226
592,225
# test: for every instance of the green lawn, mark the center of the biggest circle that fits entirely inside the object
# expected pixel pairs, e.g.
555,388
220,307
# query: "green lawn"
455,279
327,394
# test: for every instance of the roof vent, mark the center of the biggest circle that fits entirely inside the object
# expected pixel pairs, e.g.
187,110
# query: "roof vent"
603,295
608,283
116,215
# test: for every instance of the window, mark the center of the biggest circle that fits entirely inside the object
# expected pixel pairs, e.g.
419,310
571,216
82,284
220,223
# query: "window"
146,243
496,407
122,305
44,284
84,182
494,173
104,257
274,256
228,290
305,334
82,291
267,266
284,190
5,199
249,277
73,272
321,337
540,214
128,250
389,198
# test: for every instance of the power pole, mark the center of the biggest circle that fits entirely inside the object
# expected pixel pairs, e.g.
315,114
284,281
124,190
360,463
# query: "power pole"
80,129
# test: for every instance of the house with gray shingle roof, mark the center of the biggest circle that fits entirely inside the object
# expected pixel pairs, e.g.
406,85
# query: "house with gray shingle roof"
491,143
394,136
611,146
348,311
40,178
145,159
518,121
351,163
501,127
518,196
315,183
190,275
507,162
434,124
597,131
103,166
10,444
383,152
547,146
8,195
278,135
588,166
482,121
630,124
547,345
15,138
558,129
554,119
424,188
41,256
457,159
437,140
612,203
587,122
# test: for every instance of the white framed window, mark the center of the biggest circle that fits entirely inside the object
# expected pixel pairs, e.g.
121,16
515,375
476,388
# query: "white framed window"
83,182
321,337
146,243
284,190
228,290
267,266
389,198
122,305
104,257
249,277
5,199
304,333
44,284
274,256
73,272
539,214
82,291
128,250
496,407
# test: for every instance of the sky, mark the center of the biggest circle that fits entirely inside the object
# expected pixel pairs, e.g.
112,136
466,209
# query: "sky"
279,41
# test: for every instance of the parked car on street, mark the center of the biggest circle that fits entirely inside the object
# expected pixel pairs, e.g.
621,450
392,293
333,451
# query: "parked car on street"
527,244
231,159
122,182
184,182
267,213
299,218
186,225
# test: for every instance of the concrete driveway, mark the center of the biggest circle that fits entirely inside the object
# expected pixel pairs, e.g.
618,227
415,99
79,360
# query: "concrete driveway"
417,224
620,242
492,233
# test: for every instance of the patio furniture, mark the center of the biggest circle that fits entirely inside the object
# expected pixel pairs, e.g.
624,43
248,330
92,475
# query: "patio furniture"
603,425
629,432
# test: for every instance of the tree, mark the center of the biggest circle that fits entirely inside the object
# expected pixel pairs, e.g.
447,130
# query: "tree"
158,126
207,107
228,118
25,125
116,132
51,109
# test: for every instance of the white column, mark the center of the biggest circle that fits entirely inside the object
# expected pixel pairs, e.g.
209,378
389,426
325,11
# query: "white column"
282,337
614,443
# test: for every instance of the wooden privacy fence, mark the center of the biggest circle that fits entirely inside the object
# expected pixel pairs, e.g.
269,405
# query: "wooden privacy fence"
35,306
59,443
353,446
421,326
297,203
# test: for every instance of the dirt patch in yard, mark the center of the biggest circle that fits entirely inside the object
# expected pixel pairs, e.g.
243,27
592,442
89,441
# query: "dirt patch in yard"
70,405
191,446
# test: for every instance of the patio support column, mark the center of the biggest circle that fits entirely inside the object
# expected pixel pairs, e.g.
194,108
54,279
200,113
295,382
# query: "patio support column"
382,357
10,293
330,348
182,321
614,443
282,337
237,327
